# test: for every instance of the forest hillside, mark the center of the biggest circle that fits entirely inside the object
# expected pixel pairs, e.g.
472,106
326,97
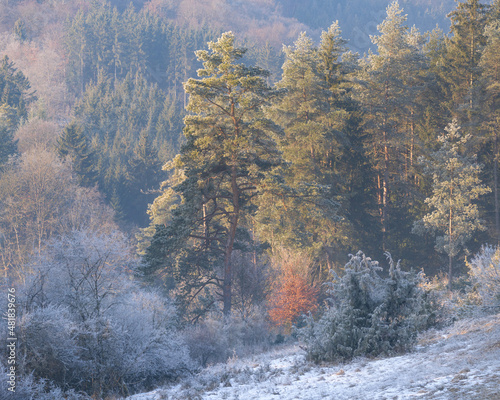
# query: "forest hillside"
184,182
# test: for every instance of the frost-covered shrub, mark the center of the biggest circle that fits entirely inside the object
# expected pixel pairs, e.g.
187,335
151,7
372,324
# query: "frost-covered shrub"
85,325
216,338
207,342
27,387
48,341
484,270
152,349
368,315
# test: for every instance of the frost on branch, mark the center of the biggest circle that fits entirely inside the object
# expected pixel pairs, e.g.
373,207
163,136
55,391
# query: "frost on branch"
85,325
484,270
368,315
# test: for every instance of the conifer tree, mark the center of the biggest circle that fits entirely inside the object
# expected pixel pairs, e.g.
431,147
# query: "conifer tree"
464,49
73,144
490,115
323,147
391,85
229,154
15,95
456,185
310,145
126,125
8,146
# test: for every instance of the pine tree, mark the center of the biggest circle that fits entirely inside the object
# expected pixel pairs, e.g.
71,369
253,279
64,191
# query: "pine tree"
391,85
15,95
130,136
490,62
456,185
20,31
368,315
229,152
309,146
15,88
464,49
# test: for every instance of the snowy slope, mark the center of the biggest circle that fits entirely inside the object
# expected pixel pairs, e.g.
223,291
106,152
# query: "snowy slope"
459,363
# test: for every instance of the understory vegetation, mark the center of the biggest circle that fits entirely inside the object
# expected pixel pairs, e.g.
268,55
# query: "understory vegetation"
179,189
370,315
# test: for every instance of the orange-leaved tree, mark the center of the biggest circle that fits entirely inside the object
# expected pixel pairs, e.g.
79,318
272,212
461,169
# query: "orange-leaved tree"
293,295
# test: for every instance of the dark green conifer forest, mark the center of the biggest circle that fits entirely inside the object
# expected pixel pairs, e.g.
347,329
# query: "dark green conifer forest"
208,156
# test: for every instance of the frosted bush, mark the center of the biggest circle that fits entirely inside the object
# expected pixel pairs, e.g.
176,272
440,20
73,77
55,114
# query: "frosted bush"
27,387
215,339
85,325
48,339
368,315
484,270
207,342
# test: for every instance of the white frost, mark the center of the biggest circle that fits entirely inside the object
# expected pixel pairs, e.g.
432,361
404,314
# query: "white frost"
459,363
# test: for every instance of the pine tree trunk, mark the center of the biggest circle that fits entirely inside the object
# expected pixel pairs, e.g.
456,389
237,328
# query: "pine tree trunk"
450,241
228,270
385,193
495,188
450,269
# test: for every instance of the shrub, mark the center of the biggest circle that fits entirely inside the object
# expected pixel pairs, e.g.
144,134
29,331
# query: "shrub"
484,270
85,325
27,387
215,339
368,315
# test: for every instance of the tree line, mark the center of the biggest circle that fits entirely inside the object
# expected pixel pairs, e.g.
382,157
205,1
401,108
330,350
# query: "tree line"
327,160
332,157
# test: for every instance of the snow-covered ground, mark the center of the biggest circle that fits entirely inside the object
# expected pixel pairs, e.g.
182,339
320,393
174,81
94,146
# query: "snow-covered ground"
461,362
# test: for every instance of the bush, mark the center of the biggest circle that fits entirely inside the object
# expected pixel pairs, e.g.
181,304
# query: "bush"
215,339
484,270
368,315
27,387
85,325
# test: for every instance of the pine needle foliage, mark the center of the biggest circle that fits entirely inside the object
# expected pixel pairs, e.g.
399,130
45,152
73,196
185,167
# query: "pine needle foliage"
456,187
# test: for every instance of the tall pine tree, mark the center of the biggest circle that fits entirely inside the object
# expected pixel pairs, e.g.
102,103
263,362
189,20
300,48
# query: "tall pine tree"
229,154
389,90
464,48
490,115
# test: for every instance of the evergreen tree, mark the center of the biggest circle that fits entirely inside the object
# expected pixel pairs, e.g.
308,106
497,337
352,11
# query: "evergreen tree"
8,146
368,315
464,48
73,144
390,87
456,185
15,95
15,88
490,115
309,146
323,147
20,31
229,152
354,172
131,130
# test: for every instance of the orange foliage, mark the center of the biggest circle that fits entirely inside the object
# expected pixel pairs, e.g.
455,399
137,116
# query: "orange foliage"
292,297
